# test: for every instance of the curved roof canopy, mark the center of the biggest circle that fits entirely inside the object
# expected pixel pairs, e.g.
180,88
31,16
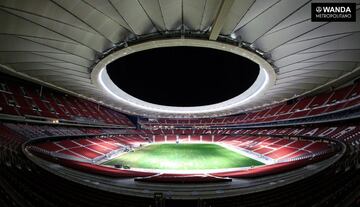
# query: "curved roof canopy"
59,43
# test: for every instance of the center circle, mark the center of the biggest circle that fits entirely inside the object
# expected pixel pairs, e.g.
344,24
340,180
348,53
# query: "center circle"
183,76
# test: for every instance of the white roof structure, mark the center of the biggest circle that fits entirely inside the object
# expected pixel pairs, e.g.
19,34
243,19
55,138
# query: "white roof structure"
60,42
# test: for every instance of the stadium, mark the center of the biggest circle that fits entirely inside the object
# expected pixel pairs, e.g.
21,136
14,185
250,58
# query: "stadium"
165,103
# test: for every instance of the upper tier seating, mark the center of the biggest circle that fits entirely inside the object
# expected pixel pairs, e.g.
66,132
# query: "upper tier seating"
21,98
321,104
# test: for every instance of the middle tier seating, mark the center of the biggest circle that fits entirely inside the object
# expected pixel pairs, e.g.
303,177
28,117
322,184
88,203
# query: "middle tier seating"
349,133
35,131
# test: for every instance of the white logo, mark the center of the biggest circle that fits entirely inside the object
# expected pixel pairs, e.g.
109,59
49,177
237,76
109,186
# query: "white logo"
318,9
338,9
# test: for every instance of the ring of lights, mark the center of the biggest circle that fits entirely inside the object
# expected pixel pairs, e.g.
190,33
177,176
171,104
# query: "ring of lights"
133,105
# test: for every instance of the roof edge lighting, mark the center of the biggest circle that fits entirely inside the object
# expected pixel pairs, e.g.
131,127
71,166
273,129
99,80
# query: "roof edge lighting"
264,81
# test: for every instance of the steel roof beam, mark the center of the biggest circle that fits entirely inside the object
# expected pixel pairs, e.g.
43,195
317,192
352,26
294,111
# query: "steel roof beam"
220,18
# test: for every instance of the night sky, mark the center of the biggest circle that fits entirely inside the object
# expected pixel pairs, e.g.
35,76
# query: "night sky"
183,76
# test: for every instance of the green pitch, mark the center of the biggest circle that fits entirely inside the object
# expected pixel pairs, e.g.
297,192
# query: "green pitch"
183,157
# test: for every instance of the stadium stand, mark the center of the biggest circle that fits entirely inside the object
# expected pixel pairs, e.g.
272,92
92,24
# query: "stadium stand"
25,183
347,131
319,105
267,147
36,131
88,133
25,99
88,148
292,129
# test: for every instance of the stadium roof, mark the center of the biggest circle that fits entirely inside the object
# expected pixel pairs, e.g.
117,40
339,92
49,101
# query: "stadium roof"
60,42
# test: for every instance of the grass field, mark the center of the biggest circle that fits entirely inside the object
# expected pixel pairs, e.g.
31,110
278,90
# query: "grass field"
183,157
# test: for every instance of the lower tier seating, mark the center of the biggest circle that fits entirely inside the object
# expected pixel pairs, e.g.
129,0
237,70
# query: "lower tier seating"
88,149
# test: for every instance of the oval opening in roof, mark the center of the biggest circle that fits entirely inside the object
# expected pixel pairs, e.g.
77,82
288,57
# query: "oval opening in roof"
183,76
